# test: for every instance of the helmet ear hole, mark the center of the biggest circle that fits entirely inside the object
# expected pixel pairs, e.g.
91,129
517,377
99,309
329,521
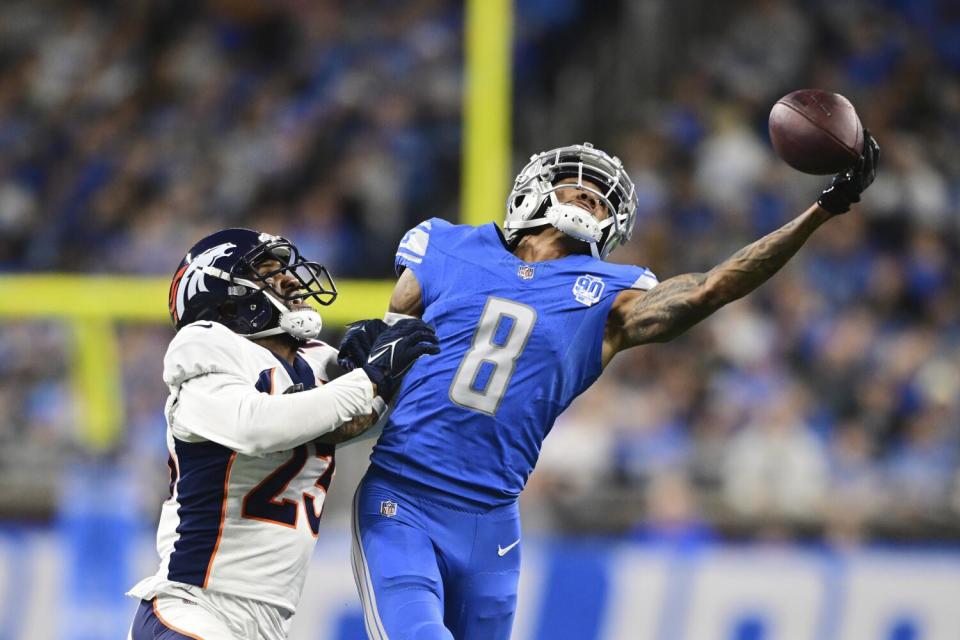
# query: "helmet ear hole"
229,309
526,202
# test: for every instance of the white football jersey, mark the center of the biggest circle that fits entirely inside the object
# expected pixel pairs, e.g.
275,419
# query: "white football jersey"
248,481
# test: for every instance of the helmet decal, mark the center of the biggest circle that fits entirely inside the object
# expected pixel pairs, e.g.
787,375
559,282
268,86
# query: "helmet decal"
254,283
193,280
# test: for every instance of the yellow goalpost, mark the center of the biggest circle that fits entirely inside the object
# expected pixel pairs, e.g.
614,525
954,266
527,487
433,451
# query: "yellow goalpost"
93,306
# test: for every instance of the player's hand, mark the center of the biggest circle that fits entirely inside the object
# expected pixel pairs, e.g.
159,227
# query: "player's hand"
846,187
357,342
395,351
349,430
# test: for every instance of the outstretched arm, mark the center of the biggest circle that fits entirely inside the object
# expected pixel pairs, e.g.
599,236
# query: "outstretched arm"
675,305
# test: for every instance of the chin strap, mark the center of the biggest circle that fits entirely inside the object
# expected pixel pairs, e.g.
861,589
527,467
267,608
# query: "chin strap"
570,220
303,324
573,221
391,318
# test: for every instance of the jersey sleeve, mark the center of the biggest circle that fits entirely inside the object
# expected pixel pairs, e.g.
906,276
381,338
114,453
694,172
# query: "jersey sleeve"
646,280
421,251
228,410
198,349
213,397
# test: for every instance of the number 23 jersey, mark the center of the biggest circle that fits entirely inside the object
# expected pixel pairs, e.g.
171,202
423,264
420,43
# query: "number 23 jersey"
242,517
519,342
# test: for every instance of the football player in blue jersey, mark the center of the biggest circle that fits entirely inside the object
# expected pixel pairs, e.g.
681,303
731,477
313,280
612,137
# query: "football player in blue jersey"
527,319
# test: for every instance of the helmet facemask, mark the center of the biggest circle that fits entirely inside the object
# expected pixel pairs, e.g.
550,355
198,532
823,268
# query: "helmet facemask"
533,201
224,279
248,279
315,281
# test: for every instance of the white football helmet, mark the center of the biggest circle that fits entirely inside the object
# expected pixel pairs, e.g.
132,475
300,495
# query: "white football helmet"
533,201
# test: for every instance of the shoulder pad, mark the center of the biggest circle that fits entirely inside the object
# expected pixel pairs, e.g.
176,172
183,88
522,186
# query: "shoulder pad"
416,242
200,348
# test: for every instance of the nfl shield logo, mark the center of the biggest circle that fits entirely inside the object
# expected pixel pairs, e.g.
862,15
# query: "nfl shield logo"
525,271
388,508
588,289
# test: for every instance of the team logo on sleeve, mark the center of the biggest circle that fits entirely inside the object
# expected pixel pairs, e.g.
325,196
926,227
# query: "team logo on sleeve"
388,508
525,272
413,246
588,289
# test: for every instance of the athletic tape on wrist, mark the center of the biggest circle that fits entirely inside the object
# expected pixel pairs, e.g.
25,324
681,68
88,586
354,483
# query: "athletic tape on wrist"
392,318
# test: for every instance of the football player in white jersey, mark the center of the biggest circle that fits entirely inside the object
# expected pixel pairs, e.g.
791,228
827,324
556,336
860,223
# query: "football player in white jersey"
255,410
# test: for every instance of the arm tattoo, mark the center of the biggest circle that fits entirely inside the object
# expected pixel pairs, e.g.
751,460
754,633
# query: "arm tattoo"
349,430
675,305
667,310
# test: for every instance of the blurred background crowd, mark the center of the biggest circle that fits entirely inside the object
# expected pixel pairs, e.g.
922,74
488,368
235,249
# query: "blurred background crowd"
825,406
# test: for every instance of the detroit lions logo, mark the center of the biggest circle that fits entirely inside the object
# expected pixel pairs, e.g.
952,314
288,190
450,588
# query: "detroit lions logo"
192,279
588,289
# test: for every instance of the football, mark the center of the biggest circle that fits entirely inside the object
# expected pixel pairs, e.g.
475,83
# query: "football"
816,131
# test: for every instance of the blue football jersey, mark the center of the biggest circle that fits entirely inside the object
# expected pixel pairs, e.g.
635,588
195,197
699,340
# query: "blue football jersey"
519,342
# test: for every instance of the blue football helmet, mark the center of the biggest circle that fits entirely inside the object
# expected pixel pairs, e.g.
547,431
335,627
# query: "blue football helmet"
533,200
218,281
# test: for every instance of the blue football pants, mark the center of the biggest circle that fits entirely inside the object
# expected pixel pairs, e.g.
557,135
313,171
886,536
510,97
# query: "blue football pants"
427,571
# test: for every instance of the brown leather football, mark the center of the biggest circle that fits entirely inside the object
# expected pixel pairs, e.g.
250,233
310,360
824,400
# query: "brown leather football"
816,131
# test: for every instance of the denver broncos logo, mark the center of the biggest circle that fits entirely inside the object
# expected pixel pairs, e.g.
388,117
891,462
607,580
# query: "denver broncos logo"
189,279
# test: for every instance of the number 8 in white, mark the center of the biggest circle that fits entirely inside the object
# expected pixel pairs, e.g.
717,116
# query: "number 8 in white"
499,352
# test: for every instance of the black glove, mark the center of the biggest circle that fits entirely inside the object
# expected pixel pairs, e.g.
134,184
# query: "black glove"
395,351
357,342
846,187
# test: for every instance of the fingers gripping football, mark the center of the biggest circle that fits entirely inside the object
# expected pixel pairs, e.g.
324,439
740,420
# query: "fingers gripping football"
846,187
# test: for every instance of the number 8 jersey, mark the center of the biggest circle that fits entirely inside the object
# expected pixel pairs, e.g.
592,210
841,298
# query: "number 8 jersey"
519,342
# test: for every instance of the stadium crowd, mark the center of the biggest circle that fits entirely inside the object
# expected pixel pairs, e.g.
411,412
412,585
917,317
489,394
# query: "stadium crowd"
825,405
